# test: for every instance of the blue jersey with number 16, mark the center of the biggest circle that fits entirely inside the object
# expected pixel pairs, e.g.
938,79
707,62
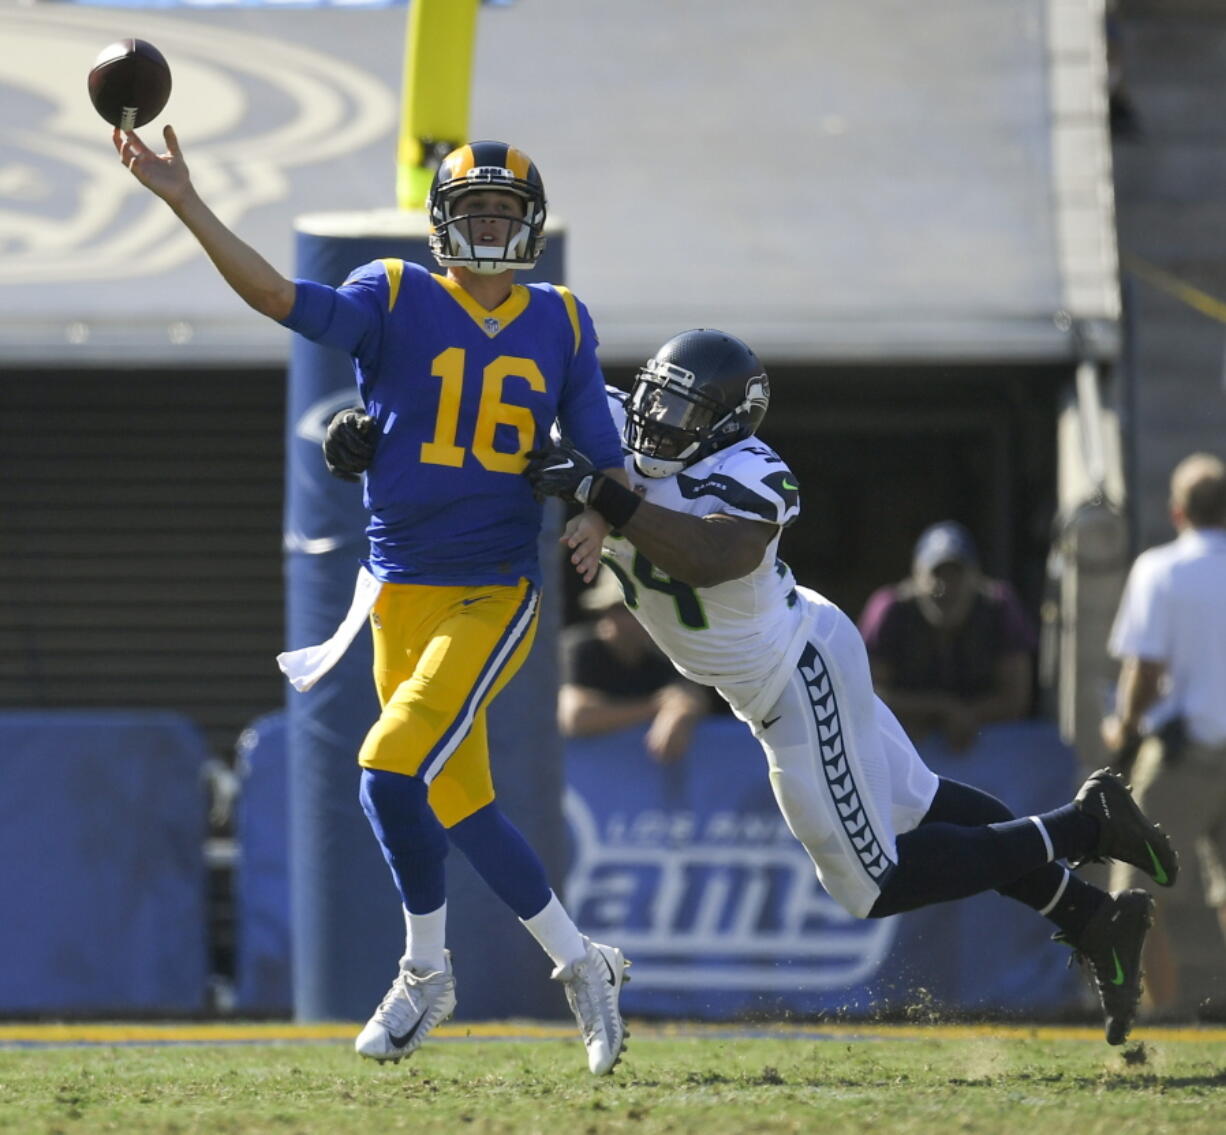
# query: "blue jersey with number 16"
459,395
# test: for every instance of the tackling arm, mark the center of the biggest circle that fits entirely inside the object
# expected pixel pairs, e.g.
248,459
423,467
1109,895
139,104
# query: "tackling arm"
701,551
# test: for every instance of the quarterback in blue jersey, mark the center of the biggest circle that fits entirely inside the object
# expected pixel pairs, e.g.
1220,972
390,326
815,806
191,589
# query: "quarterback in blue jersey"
461,374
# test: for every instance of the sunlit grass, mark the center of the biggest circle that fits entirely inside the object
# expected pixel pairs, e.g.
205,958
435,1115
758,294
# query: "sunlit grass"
908,1081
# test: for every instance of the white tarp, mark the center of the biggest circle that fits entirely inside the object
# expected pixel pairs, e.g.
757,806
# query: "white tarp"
849,179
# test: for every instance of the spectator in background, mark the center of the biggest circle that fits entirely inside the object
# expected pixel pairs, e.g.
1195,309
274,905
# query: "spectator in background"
614,676
951,650
1170,638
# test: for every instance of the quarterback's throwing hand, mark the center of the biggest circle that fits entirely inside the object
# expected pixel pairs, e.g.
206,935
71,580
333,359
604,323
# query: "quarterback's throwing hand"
349,445
560,471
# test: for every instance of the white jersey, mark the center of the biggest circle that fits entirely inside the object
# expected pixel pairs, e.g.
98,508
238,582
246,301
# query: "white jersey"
1173,611
743,636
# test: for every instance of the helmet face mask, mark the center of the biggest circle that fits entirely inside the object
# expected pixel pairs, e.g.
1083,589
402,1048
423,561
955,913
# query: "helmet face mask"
492,170
474,214
702,392
668,419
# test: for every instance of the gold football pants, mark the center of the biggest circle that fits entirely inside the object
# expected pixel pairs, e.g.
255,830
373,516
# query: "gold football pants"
440,656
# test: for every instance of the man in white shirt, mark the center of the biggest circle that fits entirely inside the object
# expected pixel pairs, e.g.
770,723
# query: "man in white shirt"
1170,638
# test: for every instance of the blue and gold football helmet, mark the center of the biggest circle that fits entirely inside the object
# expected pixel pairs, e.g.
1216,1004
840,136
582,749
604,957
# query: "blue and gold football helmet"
485,166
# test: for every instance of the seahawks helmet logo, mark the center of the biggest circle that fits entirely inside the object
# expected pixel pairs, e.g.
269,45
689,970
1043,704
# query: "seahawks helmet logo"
757,393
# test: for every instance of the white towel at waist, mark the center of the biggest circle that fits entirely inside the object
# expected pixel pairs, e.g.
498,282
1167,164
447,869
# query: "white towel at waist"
306,666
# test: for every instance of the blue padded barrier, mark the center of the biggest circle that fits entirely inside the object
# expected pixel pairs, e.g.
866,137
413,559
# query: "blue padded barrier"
261,885
692,870
102,827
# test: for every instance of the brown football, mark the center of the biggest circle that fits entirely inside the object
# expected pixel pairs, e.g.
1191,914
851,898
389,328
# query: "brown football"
129,83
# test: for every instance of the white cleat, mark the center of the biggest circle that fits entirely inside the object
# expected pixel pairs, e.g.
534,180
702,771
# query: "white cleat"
417,1001
593,987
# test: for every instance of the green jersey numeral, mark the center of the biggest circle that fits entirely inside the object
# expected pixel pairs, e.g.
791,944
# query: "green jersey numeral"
690,613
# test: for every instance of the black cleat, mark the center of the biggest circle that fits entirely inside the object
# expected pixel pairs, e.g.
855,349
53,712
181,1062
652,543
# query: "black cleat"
1124,832
1110,950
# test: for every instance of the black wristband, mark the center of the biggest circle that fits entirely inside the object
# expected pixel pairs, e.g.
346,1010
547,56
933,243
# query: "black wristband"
614,502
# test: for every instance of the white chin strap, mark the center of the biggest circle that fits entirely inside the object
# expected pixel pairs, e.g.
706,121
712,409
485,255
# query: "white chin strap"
486,267
490,259
657,466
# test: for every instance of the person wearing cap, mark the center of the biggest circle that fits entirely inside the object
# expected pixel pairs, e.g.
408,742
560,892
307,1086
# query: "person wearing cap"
951,650
614,677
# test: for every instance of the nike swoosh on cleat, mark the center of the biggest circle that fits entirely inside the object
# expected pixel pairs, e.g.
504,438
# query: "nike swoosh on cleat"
609,967
788,485
1160,875
1117,978
770,721
404,1038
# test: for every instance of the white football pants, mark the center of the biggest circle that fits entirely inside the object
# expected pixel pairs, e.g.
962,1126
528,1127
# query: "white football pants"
845,774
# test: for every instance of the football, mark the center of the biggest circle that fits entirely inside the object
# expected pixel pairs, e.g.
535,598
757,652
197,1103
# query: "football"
129,83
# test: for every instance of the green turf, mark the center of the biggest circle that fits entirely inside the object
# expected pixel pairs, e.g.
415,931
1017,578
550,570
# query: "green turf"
712,1085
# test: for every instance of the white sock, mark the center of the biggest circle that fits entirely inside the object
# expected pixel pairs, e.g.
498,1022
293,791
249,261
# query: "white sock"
424,938
556,932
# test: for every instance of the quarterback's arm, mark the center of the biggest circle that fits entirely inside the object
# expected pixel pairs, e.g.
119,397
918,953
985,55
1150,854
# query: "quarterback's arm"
254,280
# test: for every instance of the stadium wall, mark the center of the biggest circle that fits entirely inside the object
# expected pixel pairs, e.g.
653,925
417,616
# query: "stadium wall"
688,866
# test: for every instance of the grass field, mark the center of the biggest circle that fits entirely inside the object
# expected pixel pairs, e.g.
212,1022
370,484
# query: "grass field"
861,1079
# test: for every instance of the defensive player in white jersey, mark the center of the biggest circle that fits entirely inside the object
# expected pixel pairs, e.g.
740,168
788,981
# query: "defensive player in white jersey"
694,545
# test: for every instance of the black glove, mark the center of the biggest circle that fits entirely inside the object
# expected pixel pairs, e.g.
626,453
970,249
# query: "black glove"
349,444
561,471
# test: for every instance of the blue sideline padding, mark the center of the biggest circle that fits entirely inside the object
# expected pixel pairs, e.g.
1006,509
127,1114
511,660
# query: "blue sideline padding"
261,885
692,871
102,828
